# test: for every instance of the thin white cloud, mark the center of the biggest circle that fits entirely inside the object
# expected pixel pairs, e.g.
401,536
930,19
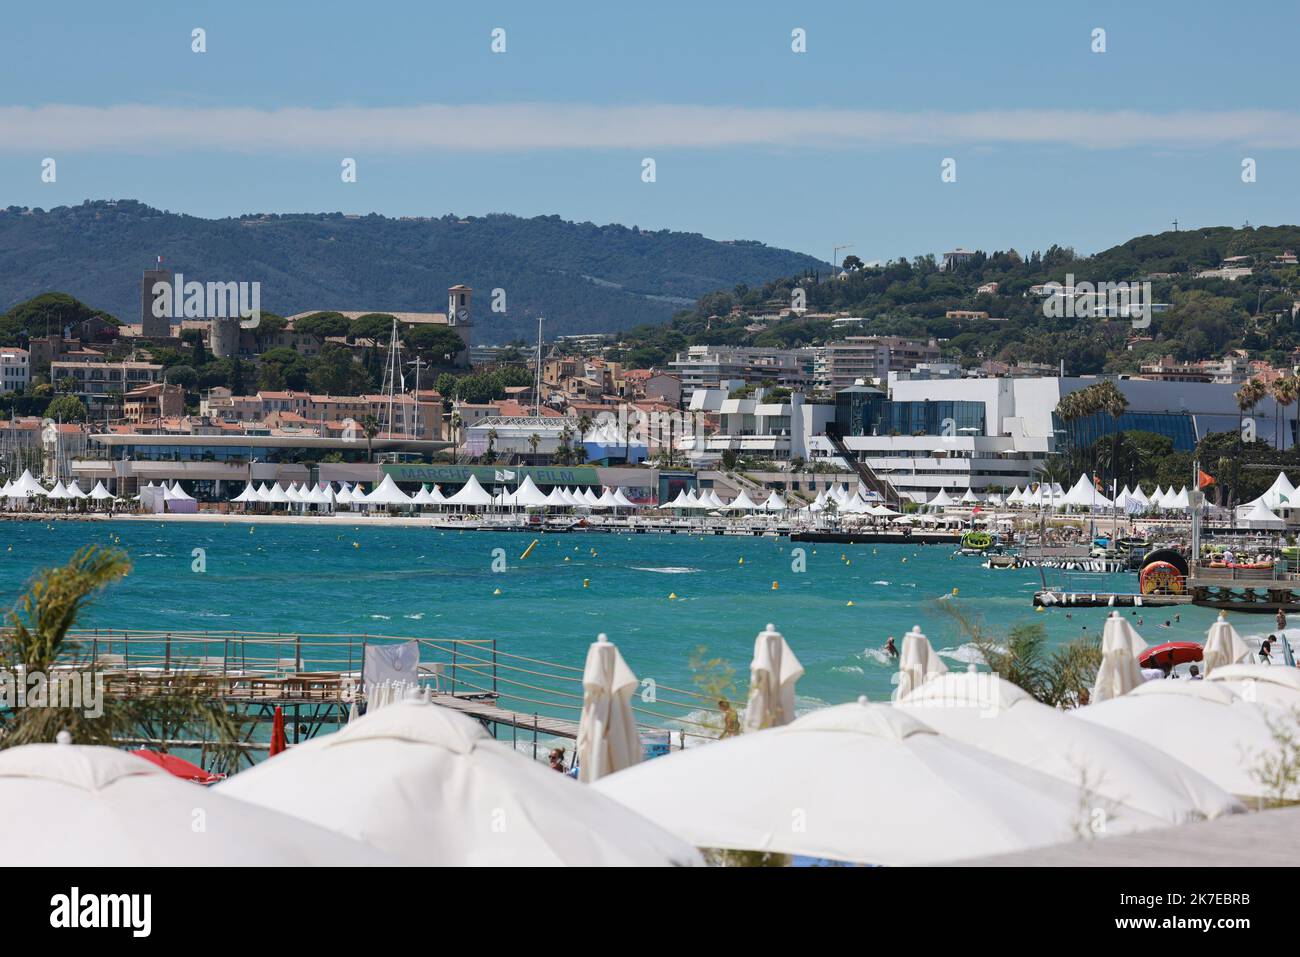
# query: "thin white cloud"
550,126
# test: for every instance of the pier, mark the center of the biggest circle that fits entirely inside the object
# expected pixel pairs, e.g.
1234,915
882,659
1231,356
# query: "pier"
317,680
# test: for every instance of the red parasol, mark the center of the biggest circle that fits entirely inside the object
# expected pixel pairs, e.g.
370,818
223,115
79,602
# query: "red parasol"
1171,653
179,767
278,741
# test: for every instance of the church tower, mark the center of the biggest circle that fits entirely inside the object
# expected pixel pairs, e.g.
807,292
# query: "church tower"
459,299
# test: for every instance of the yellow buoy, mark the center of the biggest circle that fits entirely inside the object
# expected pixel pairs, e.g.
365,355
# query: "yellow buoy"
566,558
356,544
849,604
1038,608
954,592
586,583
848,562
774,586
529,550
672,596
496,591
741,562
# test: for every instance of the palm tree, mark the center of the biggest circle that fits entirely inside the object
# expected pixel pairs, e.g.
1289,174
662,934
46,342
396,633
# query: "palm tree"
370,425
492,445
1111,401
456,422
1285,390
534,440
584,427
1248,396
37,639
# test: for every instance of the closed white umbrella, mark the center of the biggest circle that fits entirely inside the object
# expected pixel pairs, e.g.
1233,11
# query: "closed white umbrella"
431,787
1201,723
608,739
772,676
990,713
917,663
115,809
1120,672
1223,646
856,782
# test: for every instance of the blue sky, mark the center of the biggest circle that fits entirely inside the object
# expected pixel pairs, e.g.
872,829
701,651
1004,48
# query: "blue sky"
841,144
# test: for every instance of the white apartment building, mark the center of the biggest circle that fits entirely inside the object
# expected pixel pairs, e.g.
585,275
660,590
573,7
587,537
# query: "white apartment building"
15,369
707,367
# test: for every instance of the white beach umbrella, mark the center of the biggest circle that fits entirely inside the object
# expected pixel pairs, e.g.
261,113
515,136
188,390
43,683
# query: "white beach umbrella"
917,663
773,672
1121,647
608,739
1223,646
116,809
856,782
1201,723
990,713
1270,685
431,787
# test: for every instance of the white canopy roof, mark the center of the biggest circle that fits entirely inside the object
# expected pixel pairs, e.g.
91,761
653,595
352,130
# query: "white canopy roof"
775,503
742,503
388,494
941,500
1084,494
681,501
528,495
27,485
990,713
99,492
431,787
249,494
59,491
75,491
471,493
116,809
277,495
1281,492
875,785
622,500
1260,516
607,499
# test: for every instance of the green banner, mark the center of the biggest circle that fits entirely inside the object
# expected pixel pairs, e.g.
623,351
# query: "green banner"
488,475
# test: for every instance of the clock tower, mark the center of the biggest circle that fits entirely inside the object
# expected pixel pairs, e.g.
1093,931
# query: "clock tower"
459,298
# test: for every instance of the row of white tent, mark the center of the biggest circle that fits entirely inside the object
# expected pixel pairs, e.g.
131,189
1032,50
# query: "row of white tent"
26,486
471,495
1084,494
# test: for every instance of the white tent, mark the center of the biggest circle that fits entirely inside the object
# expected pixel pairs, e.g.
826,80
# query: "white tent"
608,739
941,500
436,497
344,495
471,494
709,498
1084,494
575,500
775,503
388,494
869,783
773,672
1260,516
970,498
249,494
59,492
838,494
1182,501
622,501
316,496
1201,723
607,499
556,498
74,490
278,495
116,809
589,496
741,503
1121,647
292,493
1280,493
528,495
1223,647
990,713
917,663
99,493
27,486
179,494
432,788
819,503
679,502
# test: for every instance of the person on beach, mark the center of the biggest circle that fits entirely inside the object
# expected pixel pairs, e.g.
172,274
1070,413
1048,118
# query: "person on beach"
891,648
1195,673
1266,650
730,720
557,759
1281,620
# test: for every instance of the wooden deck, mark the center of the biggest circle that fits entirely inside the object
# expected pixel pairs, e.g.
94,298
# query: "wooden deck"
485,709
1264,839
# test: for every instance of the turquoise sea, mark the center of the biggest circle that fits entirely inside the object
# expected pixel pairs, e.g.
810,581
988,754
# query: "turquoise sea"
426,583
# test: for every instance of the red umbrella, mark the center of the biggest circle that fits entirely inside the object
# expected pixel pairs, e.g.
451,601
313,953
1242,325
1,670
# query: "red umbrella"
179,767
1171,653
278,741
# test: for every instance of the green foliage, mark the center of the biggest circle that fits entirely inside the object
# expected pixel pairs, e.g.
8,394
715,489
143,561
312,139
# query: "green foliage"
66,408
323,324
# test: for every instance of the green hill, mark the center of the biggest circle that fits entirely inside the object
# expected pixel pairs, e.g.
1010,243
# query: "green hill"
580,276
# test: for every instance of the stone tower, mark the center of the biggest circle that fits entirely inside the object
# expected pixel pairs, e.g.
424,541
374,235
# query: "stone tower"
459,301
